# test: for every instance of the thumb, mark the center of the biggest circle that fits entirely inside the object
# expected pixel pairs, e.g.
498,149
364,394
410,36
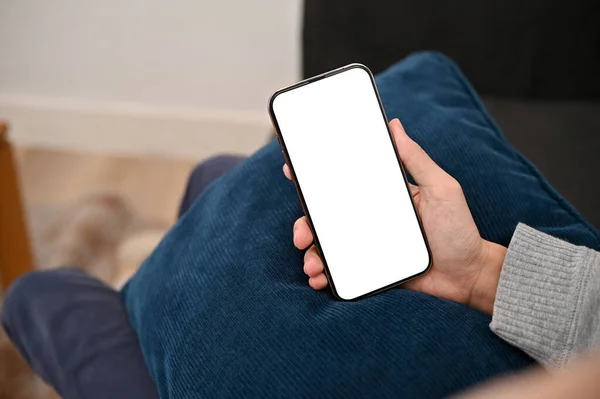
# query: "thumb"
421,167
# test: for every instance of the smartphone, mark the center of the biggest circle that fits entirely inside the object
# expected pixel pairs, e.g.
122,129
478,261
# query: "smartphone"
336,141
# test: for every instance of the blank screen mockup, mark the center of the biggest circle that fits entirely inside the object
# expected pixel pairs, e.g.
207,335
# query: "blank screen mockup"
341,153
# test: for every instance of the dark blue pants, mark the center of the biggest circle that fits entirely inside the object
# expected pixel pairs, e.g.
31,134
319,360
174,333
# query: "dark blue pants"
73,329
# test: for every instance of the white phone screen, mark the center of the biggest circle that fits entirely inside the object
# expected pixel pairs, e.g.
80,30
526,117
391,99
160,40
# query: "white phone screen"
341,153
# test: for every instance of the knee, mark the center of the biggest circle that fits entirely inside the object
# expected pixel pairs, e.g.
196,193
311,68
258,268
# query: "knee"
18,296
196,173
29,294
207,171
215,165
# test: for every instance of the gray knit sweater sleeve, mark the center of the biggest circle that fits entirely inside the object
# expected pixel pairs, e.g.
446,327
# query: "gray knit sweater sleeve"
548,298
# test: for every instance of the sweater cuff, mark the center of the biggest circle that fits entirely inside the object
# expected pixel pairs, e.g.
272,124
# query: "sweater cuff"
538,294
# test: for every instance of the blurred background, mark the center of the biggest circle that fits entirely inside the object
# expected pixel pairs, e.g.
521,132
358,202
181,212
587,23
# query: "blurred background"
105,107
181,79
71,65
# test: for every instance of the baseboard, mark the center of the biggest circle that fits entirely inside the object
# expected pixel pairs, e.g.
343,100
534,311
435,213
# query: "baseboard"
131,128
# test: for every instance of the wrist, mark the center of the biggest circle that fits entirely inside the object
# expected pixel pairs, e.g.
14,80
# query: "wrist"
483,292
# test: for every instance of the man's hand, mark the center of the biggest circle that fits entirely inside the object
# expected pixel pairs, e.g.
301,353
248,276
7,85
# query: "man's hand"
466,268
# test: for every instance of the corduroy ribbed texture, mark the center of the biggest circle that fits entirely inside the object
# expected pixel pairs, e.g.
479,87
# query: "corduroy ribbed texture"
223,309
538,305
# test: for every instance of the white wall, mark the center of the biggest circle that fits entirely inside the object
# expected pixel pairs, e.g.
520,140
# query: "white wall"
120,67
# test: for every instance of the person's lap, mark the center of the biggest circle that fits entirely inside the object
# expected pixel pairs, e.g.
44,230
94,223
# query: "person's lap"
74,330
499,186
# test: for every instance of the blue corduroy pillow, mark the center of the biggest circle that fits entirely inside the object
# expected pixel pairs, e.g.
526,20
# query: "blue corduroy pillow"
223,309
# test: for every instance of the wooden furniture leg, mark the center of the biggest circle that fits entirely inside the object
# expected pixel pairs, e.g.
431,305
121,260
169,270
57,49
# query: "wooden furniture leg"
15,253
